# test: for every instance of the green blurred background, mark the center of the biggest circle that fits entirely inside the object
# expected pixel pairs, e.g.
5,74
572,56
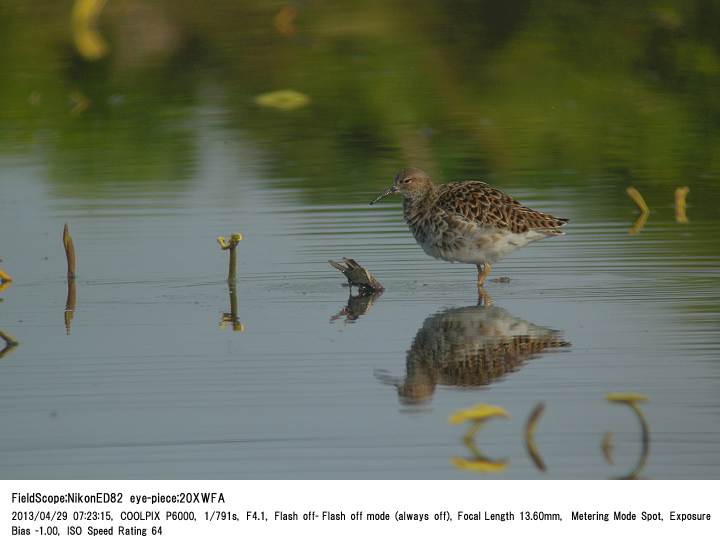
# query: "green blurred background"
529,93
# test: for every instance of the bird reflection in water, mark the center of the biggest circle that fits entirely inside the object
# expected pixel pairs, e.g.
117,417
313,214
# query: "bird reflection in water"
469,347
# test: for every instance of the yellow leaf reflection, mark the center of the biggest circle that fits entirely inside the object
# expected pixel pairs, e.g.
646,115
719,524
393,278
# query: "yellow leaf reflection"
284,100
88,41
478,462
680,194
627,398
639,201
284,21
479,466
480,412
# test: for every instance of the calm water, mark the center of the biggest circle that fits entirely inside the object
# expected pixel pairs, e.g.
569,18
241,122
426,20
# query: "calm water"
172,151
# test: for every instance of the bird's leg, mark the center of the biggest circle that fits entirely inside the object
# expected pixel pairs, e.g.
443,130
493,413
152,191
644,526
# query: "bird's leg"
483,297
483,272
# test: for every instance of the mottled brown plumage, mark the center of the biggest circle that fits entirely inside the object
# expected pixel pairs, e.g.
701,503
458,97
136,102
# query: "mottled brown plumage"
468,221
477,202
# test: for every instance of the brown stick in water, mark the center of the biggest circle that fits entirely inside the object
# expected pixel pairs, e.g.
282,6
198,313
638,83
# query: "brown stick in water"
69,252
234,239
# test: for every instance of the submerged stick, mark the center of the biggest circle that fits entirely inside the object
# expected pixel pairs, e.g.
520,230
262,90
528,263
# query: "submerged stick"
69,252
357,275
232,317
70,304
71,292
234,239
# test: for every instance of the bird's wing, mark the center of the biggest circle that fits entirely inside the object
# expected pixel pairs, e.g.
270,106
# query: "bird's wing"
478,203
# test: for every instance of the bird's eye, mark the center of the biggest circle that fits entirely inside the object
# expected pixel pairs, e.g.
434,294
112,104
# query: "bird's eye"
407,180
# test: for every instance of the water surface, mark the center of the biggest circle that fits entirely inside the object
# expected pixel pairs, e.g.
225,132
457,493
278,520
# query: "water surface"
147,381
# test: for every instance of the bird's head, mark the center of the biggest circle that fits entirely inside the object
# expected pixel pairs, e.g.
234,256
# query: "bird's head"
410,183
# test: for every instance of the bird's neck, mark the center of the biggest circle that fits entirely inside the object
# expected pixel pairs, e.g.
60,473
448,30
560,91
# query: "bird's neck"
421,194
414,204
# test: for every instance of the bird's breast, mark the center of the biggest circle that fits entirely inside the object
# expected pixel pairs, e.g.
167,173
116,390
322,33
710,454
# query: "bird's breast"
443,235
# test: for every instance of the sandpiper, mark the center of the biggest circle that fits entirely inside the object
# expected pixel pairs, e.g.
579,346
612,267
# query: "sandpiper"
467,221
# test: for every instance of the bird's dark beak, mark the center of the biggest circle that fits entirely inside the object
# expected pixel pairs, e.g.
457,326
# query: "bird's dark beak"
386,192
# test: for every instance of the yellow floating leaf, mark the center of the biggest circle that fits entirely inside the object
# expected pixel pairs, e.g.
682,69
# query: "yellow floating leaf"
284,100
479,466
480,412
4,277
627,398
